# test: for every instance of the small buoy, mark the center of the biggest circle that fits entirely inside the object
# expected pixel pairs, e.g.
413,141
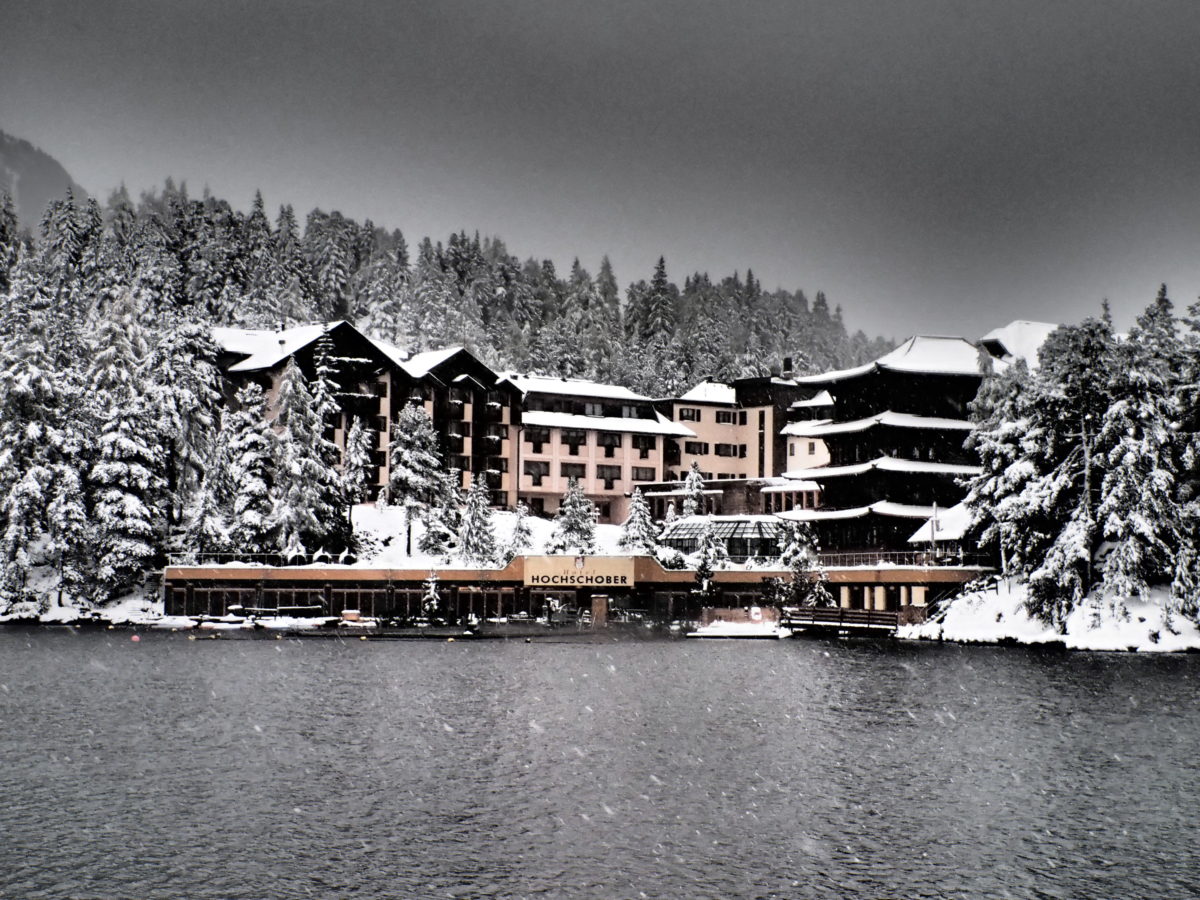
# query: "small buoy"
135,638
110,628
449,640
362,637
191,637
529,640
279,637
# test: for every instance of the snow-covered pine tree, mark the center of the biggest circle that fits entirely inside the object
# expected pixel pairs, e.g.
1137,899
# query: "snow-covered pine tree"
69,531
670,515
711,556
252,457
639,533
574,523
1002,428
693,486
443,517
308,507
801,555
1142,521
476,535
522,537
1061,502
358,469
185,398
431,601
415,465
128,499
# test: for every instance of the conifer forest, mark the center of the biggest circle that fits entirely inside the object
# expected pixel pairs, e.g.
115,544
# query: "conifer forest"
116,443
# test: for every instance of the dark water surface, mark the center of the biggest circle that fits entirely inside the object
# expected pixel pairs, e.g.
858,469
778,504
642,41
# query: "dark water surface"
327,768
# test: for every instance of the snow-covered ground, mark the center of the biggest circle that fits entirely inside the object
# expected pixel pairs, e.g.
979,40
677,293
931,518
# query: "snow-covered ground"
998,614
741,630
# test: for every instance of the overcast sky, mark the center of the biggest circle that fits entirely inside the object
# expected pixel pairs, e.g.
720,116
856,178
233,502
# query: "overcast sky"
934,167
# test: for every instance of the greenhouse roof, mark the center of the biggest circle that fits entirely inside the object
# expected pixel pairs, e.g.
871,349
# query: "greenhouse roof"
723,527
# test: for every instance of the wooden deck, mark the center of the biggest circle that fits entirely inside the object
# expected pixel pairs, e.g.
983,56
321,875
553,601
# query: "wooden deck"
869,621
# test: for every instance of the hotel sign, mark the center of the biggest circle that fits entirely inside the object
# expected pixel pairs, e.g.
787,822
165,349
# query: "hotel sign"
579,571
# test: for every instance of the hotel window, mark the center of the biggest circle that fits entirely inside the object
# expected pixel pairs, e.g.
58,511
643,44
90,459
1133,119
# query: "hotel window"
462,463
643,473
742,417
537,470
645,444
610,475
610,442
573,438
725,416
537,437
696,448
593,409
573,470
689,414
791,449
741,451
725,449
812,448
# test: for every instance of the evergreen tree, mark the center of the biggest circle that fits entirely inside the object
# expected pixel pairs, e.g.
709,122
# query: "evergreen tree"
476,536
639,534
415,465
693,498
710,557
574,524
358,470
308,505
127,490
522,538
801,555
251,475
442,518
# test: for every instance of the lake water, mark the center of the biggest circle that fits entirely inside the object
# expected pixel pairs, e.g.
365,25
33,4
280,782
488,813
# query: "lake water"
591,768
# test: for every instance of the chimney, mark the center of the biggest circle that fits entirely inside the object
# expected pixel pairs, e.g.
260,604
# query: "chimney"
787,367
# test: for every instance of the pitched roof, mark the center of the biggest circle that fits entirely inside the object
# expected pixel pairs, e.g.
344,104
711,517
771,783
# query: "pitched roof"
884,464
951,525
924,354
824,427
421,364
879,508
264,348
658,425
1020,339
571,387
711,392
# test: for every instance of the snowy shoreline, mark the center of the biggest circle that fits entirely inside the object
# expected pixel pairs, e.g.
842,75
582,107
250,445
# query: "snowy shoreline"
997,615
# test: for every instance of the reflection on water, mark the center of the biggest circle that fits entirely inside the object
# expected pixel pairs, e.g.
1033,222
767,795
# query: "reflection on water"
255,768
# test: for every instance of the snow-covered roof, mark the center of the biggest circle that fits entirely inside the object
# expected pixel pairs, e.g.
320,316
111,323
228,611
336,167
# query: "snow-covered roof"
885,464
802,429
711,392
951,525
1020,339
792,485
658,425
265,348
421,364
571,387
925,354
391,351
825,427
822,398
880,508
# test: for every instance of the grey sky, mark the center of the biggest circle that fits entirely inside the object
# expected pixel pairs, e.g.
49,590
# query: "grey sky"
934,167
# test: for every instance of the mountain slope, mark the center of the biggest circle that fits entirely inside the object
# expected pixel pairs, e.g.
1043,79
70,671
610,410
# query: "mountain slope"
32,178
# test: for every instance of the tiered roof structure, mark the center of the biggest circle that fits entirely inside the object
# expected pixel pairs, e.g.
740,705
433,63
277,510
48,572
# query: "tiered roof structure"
895,442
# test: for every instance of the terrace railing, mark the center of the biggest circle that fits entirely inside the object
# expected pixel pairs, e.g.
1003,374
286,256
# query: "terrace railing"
884,558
